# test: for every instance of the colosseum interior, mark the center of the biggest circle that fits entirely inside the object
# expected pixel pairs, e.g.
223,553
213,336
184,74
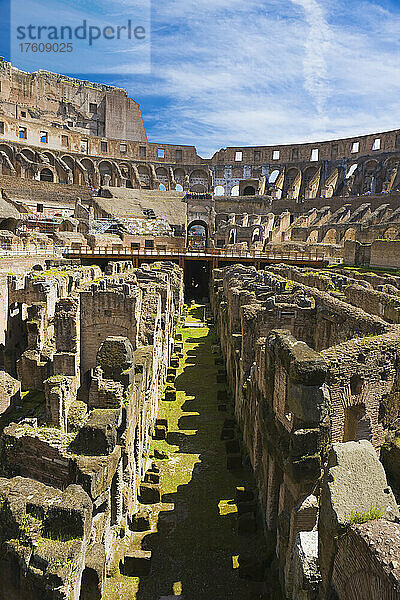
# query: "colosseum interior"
199,359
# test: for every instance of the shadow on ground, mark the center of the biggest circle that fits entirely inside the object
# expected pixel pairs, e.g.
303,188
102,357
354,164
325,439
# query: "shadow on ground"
196,547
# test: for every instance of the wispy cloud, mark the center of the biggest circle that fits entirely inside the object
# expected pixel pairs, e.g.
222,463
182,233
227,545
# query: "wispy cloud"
317,46
228,72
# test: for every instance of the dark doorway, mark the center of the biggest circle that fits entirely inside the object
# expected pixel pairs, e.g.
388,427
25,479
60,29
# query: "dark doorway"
249,191
197,235
197,274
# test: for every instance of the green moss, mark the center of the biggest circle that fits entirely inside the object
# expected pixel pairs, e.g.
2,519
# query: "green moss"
363,516
198,538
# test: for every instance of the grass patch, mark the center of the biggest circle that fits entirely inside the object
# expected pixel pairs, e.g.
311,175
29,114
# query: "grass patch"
363,516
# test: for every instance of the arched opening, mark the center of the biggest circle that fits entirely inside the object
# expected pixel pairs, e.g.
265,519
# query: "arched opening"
28,154
198,181
256,237
235,190
200,189
197,235
249,190
162,187
144,176
179,176
46,175
351,170
178,188
105,169
162,176
50,157
7,150
274,176
292,184
219,190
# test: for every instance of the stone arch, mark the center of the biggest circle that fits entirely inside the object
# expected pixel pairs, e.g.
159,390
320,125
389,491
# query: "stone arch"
106,172
330,237
292,183
163,177
349,234
311,182
7,150
312,237
370,172
144,176
219,190
351,170
197,231
29,154
178,187
198,181
69,161
235,190
392,233
50,157
180,176
46,174
256,235
249,190
273,176
7,164
231,235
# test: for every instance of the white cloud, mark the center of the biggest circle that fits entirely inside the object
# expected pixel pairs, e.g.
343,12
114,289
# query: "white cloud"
269,71
317,45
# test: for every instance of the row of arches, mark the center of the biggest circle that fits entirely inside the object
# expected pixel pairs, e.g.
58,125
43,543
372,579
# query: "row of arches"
65,168
370,176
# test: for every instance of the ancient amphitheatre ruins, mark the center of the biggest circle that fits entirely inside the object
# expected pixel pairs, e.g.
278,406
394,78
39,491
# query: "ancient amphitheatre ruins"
199,359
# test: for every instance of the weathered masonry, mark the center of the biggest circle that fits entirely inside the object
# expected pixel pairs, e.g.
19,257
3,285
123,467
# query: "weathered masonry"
312,364
91,352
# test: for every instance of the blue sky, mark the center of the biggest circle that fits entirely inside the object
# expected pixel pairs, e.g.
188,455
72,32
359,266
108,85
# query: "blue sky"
252,72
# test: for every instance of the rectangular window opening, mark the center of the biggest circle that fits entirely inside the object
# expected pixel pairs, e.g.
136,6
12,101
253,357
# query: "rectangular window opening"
314,155
238,156
377,144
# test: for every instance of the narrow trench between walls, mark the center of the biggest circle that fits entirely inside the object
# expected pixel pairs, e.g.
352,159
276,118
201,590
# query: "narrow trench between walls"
200,532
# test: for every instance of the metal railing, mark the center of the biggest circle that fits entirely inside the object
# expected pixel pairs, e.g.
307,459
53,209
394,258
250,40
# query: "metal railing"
272,255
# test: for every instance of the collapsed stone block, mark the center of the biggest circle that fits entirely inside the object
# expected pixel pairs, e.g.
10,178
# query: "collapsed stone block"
137,564
170,394
160,432
140,521
149,493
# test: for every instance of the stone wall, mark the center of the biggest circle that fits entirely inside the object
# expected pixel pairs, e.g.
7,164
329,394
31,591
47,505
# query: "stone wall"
329,377
111,339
